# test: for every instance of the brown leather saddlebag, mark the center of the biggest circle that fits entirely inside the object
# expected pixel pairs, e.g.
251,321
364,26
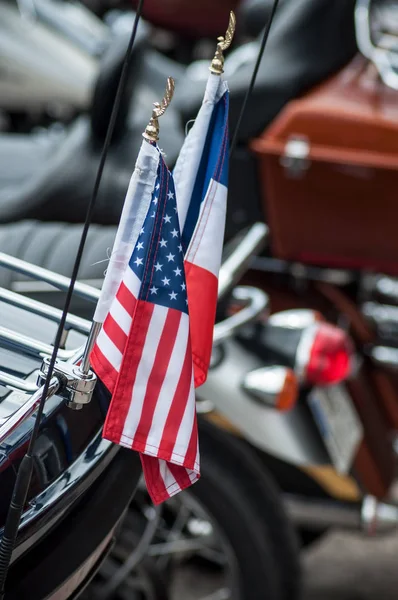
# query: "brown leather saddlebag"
329,173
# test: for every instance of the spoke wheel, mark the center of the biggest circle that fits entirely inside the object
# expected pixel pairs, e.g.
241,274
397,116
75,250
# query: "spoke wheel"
225,538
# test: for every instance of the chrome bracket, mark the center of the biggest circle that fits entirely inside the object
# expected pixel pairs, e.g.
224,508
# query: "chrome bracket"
76,387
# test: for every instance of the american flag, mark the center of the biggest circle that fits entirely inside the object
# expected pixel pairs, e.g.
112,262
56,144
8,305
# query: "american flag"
201,175
143,352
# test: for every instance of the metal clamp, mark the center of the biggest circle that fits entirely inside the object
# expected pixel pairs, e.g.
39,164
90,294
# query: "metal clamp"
76,387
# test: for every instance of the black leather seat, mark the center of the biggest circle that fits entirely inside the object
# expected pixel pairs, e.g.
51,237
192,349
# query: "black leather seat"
50,176
309,40
53,180
251,16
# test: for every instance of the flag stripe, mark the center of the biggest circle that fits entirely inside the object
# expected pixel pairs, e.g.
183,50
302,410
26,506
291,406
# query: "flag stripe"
180,475
178,403
212,166
193,446
101,364
202,290
160,437
126,299
145,335
188,422
132,283
121,316
115,333
117,419
156,381
109,349
152,468
206,244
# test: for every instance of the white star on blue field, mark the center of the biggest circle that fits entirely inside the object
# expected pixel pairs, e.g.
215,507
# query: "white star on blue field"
158,259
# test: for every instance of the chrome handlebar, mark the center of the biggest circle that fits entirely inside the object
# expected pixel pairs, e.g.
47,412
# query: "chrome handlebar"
237,263
384,59
258,303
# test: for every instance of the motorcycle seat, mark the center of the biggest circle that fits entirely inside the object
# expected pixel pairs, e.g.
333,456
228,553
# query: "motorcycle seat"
50,175
309,40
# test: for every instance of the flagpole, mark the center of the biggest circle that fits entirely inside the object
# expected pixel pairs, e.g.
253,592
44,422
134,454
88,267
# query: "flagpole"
151,135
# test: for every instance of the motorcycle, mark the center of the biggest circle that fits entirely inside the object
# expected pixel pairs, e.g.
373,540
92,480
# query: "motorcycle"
234,488
374,458
317,452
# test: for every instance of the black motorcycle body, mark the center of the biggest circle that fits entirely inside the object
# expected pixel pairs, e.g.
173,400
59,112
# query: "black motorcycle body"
72,510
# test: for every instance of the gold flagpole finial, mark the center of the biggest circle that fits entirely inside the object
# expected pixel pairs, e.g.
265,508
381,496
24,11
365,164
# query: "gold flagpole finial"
217,64
151,132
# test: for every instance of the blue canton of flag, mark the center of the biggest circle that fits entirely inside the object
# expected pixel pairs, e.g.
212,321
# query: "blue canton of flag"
159,244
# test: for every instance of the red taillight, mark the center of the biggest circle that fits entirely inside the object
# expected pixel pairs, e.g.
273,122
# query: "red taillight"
329,355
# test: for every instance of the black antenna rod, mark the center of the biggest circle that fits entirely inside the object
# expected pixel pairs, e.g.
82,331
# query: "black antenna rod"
24,475
254,77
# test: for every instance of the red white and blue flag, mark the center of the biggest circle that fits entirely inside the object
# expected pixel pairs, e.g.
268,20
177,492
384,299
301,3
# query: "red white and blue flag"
201,176
144,353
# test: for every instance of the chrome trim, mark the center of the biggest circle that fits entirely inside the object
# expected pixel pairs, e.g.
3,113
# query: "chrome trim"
237,263
266,383
381,58
362,28
301,271
41,287
58,281
92,337
29,345
384,356
384,319
44,310
322,513
9,424
369,515
387,287
258,304
303,351
17,383
294,318
378,517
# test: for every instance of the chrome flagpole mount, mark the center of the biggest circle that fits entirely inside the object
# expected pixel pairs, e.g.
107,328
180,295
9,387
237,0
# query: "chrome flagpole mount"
151,133
76,381
80,380
217,64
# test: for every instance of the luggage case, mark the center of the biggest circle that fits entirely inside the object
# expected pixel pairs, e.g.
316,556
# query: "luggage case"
328,169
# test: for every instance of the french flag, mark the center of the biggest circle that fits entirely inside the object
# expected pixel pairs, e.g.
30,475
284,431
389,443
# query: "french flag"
201,179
